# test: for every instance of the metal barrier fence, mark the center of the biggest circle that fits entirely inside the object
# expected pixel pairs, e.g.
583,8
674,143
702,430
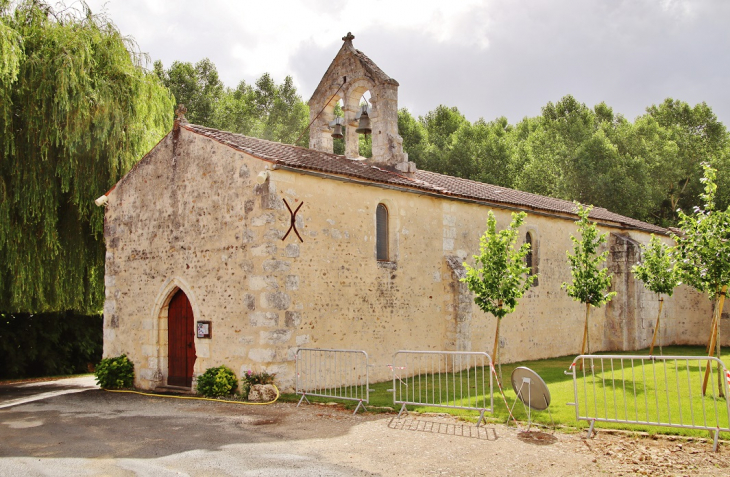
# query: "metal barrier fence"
333,373
448,379
651,390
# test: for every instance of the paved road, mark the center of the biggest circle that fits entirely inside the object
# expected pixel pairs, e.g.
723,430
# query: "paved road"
87,431
15,394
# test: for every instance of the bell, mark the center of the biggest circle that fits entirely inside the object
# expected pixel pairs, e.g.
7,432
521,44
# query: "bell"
337,133
364,125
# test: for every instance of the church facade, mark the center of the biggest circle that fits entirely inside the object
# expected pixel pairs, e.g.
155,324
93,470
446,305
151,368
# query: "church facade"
225,249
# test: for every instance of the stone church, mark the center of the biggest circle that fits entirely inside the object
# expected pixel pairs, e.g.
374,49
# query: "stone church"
226,249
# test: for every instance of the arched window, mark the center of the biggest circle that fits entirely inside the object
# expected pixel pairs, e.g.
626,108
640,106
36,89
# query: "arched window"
381,231
531,257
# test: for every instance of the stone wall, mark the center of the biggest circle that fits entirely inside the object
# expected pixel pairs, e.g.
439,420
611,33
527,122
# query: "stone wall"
191,216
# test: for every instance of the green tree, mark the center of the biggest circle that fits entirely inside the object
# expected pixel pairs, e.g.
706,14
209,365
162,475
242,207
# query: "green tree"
265,110
660,274
77,110
699,137
500,277
703,248
415,136
441,125
590,282
197,86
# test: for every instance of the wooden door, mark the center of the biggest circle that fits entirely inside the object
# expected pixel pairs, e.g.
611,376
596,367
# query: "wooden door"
180,341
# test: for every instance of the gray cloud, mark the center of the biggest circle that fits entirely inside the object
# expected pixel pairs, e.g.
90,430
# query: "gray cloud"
629,54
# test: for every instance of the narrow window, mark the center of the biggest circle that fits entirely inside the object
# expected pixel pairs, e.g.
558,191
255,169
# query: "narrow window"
531,257
381,225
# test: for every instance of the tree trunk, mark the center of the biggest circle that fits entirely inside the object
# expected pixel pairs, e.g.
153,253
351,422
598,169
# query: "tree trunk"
656,328
718,326
714,338
586,339
495,352
585,336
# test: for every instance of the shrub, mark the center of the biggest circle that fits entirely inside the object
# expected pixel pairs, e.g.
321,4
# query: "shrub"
115,373
261,377
216,382
48,344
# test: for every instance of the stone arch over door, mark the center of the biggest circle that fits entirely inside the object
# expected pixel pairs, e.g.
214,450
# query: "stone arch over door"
180,341
168,292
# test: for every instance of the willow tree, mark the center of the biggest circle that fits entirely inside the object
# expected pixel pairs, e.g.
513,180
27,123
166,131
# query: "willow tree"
660,274
704,257
590,281
77,110
500,276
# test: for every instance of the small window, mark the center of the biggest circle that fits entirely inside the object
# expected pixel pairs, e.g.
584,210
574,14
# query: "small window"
381,226
531,257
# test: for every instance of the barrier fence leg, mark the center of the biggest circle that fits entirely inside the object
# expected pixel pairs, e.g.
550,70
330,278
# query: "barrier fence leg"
714,445
481,417
304,398
590,429
403,408
359,405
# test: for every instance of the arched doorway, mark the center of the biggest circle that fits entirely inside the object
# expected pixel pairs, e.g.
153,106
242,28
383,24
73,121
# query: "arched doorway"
180,341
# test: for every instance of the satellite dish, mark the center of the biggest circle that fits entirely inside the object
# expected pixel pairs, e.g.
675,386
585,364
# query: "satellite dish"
530,388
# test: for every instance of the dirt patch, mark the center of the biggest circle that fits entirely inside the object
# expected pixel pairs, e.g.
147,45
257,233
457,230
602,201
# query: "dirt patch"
623,455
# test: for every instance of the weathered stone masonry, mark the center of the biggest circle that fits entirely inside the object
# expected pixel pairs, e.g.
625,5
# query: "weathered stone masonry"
204,212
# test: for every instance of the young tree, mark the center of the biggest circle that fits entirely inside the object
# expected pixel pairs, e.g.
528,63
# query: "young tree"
590,282
77,110
704,254
500,276
660,274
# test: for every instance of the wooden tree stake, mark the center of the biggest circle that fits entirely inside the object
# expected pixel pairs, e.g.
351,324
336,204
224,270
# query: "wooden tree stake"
714,335
585,336
656,328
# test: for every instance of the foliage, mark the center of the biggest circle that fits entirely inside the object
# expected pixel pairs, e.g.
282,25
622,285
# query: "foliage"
197,87
699,138
259,377
48,344
11,52
265,109
216,382
500,276
76,112
704,244
643,169
657,269
590,282
115,373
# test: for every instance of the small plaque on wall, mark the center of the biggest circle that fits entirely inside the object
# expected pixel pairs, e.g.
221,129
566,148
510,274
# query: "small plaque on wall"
203,329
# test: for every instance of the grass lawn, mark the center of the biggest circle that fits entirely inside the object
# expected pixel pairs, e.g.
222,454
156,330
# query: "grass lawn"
637,394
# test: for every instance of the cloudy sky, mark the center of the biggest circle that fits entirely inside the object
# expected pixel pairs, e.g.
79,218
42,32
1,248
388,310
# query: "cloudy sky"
489,58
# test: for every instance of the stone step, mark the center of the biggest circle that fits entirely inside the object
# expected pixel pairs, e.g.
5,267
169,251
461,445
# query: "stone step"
173,389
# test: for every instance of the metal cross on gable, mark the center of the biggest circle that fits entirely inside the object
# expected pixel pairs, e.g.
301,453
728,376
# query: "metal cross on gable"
293,221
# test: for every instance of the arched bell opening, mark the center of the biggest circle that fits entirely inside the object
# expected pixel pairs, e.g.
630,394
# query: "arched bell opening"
321,131
339,128
360,117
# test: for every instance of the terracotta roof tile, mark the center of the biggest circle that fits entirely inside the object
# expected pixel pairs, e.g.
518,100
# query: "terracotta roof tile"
309,159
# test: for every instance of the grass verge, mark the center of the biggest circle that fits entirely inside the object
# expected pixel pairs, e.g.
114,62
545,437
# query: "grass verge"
637,394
